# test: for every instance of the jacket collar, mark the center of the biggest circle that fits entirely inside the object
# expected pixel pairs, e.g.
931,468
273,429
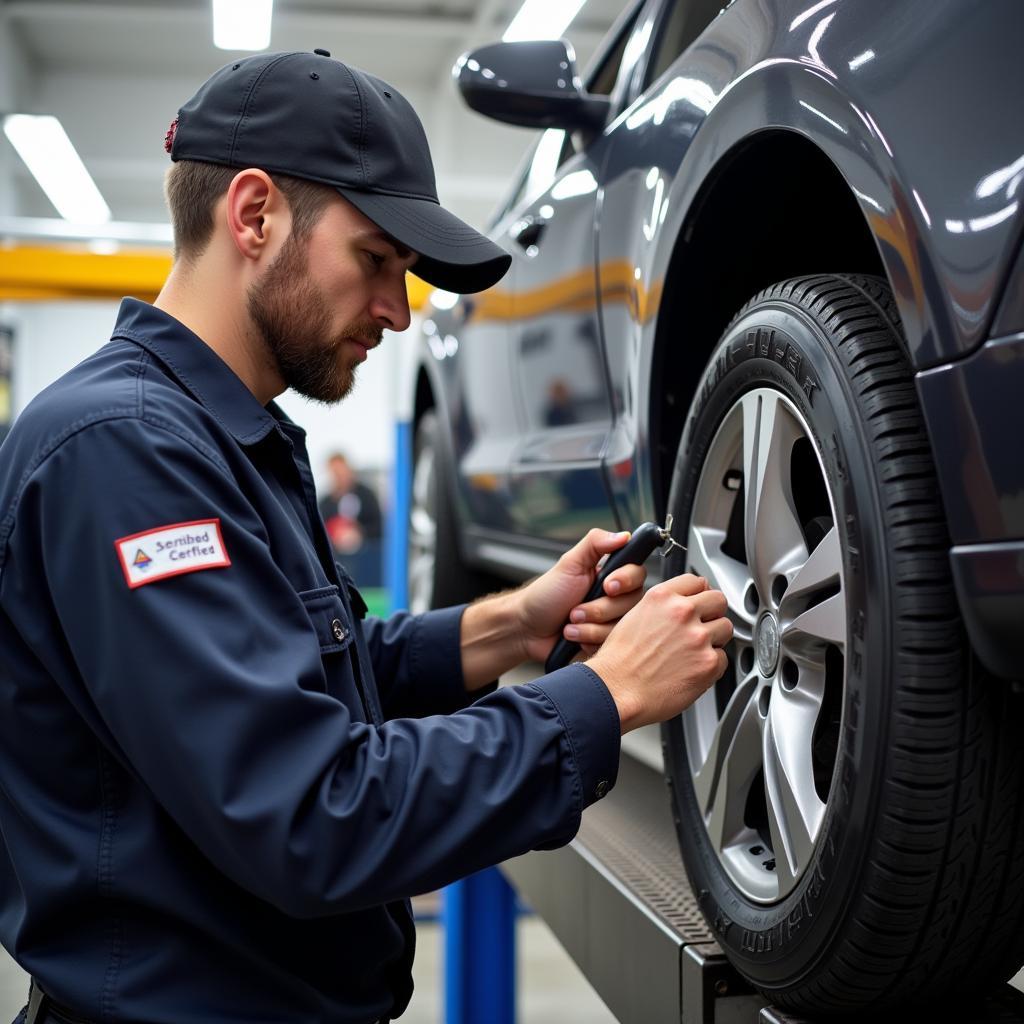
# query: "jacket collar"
201,372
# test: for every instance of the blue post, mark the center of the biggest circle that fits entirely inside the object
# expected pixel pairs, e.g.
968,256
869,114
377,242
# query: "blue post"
398,527
479,915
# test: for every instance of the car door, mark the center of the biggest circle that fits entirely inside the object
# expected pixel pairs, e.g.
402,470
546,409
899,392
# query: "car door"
639,162
558,368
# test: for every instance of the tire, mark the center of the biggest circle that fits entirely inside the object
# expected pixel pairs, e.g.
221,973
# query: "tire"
438,576
849,797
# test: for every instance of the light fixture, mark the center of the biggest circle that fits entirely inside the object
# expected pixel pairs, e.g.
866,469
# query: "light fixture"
542,19
242,24
48,153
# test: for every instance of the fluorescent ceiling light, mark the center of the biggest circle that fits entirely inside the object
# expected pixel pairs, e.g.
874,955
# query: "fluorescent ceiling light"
47,151
542,19
242,24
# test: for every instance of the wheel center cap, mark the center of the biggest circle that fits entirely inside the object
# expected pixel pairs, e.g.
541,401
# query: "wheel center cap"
767,644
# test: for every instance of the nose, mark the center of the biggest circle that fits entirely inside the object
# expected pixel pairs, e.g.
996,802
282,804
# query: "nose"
389,307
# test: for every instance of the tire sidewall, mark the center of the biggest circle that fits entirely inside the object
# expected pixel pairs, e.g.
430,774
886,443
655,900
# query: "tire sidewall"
777,344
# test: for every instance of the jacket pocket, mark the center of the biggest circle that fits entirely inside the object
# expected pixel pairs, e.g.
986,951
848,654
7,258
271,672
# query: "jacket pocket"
355,599
330,619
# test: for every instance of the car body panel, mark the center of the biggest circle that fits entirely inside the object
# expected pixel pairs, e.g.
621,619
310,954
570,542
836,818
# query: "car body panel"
914,104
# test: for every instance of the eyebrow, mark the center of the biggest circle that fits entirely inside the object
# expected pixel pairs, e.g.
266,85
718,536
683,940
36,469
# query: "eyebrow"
381,236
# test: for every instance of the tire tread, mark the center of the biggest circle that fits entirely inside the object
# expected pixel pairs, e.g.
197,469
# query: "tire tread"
940,904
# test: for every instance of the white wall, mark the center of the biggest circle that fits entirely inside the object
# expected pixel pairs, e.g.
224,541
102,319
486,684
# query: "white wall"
13,90
51,337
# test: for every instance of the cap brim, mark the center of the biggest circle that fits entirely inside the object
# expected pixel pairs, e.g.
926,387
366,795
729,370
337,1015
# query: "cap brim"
452,255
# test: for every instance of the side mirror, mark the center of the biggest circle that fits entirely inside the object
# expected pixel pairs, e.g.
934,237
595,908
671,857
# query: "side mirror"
533,84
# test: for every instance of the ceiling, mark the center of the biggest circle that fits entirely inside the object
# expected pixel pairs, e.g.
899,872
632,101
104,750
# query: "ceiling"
116,71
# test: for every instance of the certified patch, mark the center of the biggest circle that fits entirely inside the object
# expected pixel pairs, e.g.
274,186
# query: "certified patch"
171,551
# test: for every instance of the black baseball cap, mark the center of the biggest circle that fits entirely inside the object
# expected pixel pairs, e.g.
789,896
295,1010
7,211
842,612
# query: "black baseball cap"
311,116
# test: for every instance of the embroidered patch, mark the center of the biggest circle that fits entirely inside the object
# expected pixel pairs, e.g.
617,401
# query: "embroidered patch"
171,550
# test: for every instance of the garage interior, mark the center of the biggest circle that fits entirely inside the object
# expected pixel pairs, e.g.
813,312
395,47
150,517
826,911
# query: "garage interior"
607,928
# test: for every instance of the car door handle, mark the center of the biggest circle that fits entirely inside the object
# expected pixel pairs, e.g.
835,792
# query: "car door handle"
528,231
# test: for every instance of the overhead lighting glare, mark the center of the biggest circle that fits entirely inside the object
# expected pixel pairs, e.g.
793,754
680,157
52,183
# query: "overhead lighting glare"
47,151
862,58
542,19
242,24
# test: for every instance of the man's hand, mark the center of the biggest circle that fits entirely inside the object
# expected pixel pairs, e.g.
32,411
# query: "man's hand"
667,651
545,604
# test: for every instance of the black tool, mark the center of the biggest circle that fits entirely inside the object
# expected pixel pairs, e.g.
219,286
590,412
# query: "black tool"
635,551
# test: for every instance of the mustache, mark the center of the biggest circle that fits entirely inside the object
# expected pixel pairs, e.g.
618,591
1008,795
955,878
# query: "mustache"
369,337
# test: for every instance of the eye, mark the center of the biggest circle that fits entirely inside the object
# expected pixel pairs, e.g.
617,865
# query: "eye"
376,258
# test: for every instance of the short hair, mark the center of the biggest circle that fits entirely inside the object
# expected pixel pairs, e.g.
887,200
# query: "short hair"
193,188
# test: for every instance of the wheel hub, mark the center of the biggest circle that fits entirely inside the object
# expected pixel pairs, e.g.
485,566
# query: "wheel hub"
768,644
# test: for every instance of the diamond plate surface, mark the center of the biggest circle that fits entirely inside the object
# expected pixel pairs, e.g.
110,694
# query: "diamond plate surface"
632,834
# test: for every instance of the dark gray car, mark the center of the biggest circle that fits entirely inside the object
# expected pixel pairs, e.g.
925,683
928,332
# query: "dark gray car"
768,278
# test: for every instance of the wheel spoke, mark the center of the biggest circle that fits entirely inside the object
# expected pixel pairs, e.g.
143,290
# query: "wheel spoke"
706,558
422,528
774,540
732,763
421,580
823,623
822,569
795,811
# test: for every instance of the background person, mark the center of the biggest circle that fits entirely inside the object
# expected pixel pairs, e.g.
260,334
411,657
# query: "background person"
351,513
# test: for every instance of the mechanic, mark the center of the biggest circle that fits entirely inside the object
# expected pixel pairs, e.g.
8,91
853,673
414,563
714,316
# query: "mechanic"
218,785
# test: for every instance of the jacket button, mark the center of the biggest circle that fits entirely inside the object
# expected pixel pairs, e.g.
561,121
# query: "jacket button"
338,629
602,789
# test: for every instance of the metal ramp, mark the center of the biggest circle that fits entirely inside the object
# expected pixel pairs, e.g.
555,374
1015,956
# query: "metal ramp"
618,900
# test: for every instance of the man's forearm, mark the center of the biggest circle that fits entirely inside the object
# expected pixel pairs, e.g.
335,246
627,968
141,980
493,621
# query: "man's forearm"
491,639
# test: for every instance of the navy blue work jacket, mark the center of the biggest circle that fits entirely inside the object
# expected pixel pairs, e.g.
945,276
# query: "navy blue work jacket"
218,785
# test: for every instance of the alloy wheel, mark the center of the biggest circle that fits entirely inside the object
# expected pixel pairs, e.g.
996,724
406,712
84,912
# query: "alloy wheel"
422,531
762,742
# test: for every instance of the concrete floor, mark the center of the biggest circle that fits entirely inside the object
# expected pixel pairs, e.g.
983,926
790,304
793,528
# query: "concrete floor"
551,989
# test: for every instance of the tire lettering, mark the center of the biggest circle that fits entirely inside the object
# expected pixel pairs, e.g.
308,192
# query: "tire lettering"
793,361
858,625
757,942
837,457
767,343
852,543
722,923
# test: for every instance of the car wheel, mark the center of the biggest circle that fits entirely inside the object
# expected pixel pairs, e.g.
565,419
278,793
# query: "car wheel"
437,575
849,796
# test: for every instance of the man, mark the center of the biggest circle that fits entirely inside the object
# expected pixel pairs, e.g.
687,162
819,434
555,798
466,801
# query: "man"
351,513
218,787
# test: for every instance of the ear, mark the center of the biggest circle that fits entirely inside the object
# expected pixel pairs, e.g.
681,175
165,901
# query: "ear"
257,214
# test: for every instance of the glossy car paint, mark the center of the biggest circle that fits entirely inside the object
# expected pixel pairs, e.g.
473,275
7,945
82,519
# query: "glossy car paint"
915,105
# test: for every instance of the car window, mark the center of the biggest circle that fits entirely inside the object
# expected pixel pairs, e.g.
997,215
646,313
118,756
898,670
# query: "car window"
555,145
602,81
543,162
680,25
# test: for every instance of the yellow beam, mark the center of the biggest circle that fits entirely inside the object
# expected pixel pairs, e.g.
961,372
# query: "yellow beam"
35,273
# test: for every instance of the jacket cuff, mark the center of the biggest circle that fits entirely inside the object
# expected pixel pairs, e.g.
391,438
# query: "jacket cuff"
592,726
437,656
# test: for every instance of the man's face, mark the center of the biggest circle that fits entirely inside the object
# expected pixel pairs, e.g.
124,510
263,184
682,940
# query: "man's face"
324,301
342,475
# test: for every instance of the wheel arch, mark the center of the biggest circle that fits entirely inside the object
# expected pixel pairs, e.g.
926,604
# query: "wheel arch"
750,196
424,397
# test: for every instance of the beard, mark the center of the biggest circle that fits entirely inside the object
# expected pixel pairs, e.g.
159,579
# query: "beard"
290,312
